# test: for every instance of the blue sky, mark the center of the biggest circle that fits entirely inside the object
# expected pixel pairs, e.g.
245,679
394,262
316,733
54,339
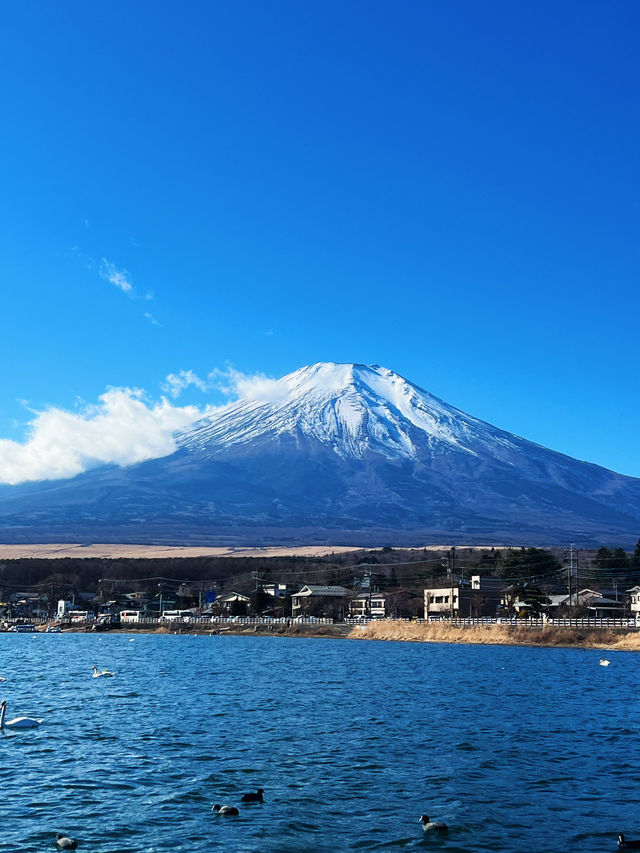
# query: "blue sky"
449,189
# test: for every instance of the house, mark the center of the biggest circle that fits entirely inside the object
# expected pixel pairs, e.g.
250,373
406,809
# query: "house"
313,600
368,605
524,600
558,604
634,601
234,602
275,590
600,606
458,601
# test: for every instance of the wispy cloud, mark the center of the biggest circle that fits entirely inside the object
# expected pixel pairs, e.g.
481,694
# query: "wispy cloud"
152,320
175,383
120,278
257,387
230,382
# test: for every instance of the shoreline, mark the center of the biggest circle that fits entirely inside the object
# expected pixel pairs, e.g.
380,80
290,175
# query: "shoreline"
609,639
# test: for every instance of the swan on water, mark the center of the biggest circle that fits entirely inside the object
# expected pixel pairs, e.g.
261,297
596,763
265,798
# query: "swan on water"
253,798
63,842
17,722
225,810
104,674
432,825
604,662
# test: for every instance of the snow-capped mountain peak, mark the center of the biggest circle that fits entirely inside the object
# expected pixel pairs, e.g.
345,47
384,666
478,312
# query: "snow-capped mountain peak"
354,408
336,452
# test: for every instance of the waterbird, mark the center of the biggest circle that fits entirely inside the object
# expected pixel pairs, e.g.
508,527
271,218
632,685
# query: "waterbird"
2,679
225,810
17,722
627,845
104,674
604,662
253,798
63,842
432,825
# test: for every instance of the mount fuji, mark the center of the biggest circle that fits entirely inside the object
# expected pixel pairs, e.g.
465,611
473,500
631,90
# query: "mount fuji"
335,452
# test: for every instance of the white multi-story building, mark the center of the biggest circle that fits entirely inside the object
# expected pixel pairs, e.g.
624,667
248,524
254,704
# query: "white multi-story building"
480,598
365,605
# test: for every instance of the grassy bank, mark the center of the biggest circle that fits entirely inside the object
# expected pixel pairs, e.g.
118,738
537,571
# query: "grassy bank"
503,635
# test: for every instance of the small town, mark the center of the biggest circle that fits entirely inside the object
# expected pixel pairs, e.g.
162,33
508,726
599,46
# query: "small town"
592,588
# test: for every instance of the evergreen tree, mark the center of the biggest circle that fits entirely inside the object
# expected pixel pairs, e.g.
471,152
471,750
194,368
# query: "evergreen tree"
619,559
529,563
603,557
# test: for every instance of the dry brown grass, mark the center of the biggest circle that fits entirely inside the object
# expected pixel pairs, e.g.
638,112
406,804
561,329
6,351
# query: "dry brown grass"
503,635
148,552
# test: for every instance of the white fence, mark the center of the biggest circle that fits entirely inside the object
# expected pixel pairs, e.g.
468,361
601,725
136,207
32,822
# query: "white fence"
206,621
629,624
288,621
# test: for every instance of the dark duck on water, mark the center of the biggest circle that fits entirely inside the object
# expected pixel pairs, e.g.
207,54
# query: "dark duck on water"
432,825
627,845
253,798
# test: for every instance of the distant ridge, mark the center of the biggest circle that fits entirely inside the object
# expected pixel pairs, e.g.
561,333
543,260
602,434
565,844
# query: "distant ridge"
344,452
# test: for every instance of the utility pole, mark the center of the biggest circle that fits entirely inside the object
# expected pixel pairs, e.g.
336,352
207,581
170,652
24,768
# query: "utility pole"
369,590
570,572
452,564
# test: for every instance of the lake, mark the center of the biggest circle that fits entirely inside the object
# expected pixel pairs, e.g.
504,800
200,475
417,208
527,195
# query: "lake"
517,749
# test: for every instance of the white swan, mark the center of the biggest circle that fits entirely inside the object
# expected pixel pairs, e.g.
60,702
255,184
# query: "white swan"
104,674
432,825
63,842
18,722
604,662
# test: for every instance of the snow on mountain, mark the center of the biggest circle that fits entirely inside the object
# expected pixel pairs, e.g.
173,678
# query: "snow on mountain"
352,408
335,452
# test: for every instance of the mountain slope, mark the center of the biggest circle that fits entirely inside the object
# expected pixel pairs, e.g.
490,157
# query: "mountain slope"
337,452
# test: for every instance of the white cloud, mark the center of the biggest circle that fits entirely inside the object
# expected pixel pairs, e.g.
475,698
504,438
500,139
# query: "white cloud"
122,429
121,278
257,387
152,320
230,382
175,383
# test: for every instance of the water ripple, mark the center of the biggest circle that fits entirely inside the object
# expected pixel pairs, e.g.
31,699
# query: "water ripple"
348,744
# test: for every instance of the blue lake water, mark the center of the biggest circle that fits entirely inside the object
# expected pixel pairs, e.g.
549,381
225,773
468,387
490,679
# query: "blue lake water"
517,749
